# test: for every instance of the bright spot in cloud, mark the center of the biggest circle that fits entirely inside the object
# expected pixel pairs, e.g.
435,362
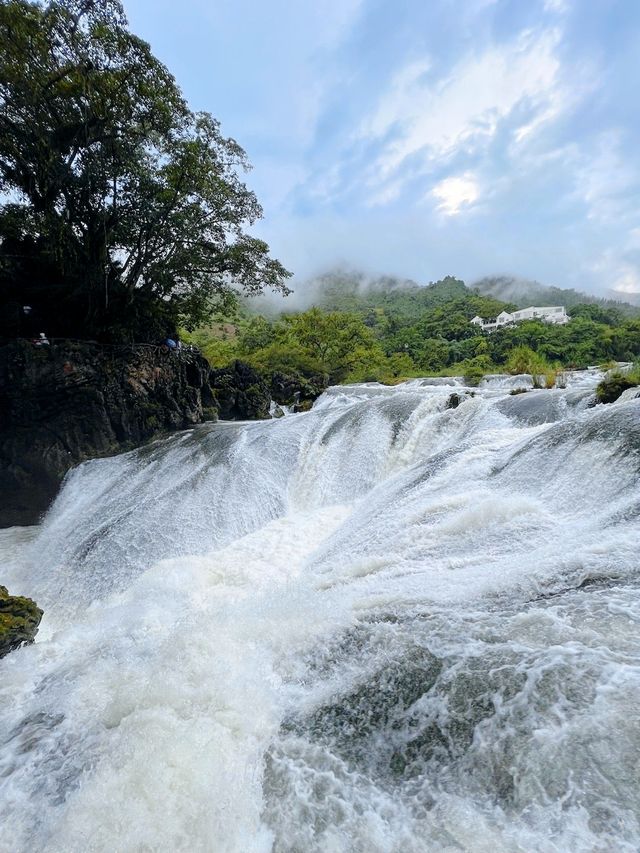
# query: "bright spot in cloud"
438,116
455,193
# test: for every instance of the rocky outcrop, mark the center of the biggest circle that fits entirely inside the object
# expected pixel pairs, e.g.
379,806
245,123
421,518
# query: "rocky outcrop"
65,403
454,401
241,393
68,402
292,389
19,621
613,386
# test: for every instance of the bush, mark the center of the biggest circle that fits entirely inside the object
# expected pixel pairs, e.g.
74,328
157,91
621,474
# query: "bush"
474,369
613,385
523,359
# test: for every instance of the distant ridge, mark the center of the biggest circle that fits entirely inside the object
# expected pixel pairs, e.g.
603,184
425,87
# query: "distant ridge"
349,289
524,292
620,296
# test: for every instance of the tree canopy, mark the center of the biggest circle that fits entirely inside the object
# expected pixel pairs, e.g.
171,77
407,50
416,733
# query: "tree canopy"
123,211
359,333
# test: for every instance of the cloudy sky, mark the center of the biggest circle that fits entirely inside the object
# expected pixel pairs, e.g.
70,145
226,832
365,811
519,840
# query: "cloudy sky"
427,137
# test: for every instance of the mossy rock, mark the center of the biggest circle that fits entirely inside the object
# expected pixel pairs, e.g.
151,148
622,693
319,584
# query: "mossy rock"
209,413
19,621
612,387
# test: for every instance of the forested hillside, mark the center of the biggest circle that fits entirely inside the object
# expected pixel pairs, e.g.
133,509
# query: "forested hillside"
382,329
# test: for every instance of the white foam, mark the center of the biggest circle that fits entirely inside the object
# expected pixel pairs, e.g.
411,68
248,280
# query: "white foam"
206,598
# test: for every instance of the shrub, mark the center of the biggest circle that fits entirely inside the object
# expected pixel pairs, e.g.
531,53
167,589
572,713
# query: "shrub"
474,369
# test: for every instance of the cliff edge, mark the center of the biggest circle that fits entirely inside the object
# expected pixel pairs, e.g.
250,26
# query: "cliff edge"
68,402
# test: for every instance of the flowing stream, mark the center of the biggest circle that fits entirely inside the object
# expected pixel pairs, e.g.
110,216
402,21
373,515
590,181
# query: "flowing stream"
383,626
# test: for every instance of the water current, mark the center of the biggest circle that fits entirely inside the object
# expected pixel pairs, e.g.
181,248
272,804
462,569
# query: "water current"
382,626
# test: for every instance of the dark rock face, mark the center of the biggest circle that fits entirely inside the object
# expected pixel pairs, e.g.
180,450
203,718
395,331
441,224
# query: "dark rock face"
454,401
295,390
241,393
19,620
63,404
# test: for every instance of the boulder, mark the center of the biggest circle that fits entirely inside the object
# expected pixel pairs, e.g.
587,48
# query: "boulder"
613,386
293,389
454,401
19,621
241,393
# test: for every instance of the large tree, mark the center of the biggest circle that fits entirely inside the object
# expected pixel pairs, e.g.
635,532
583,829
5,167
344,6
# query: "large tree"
121,205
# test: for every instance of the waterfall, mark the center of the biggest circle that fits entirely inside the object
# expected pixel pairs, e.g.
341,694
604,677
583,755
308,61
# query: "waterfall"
386,625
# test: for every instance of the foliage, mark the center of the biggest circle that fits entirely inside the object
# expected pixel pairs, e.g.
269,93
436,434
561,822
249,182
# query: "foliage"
398,333
219,351
616,382
337,342
524,293
474,369
124,208
522,359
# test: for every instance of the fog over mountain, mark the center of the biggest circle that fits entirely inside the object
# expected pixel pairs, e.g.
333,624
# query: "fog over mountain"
523,292
356,282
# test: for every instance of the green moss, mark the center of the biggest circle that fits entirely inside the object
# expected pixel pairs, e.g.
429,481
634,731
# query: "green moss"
209,413
19,621
613,385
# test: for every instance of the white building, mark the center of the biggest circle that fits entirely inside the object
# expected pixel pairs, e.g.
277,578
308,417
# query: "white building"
555,314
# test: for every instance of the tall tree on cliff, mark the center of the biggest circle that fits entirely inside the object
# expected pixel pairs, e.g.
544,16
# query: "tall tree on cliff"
123,210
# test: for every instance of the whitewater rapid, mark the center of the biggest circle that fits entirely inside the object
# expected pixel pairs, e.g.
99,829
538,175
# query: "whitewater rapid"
387,625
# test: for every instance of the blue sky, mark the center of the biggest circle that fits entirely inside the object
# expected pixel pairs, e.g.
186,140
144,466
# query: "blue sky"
426,137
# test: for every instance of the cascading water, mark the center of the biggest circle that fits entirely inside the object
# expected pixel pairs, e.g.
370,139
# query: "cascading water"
383,625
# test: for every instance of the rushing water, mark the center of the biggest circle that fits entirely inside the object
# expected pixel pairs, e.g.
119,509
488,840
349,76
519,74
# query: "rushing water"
384,626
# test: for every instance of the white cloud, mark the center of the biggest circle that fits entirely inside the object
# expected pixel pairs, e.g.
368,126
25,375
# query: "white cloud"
627,279
436,117
456,193
605,180
614,272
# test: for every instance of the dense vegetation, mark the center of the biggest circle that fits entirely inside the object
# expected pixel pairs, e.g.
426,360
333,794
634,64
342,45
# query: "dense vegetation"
122,212
388,330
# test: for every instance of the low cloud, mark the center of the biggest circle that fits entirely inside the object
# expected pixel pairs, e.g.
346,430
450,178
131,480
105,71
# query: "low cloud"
427,116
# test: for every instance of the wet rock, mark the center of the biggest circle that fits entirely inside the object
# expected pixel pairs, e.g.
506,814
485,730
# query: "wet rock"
241,393
629,394
454,401
19,621
292,389
613,387
69,402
